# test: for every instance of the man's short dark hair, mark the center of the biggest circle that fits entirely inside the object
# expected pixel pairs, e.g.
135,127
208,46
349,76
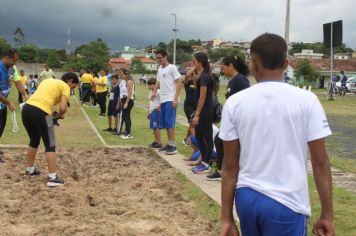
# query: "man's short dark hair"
70,76
151,81
10,52
271,49
162,51
114,77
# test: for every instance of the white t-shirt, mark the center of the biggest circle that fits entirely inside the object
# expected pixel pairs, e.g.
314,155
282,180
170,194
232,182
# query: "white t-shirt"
274,122
155,102
123,89
167,77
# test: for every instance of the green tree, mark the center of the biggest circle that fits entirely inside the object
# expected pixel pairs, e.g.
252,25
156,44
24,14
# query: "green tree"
4,45
137,66
216,54
305,69
28,53
53,60
94,56
19,37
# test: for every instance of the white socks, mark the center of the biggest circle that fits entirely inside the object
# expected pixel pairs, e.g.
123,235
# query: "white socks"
30,169
172,143
52,175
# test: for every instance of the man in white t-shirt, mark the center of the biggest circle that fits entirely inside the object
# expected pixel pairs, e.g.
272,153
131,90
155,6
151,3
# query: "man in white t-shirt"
47,73
168,81
267,129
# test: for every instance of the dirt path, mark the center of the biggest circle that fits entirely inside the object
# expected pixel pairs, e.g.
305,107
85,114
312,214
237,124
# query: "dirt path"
107,192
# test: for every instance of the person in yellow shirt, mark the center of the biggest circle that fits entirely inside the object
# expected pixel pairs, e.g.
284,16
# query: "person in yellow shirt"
39,121
101,87
23,80
87,80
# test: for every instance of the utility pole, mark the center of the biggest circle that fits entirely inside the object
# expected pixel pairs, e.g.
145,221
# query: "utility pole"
286,32
69,44
175,38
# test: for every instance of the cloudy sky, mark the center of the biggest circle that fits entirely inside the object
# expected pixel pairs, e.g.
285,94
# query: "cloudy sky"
145,22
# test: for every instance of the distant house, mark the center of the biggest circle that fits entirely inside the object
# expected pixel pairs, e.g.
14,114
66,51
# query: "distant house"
148,63
342,56
118,63
353,56
199,48
128,53
308,54
323,66
217,42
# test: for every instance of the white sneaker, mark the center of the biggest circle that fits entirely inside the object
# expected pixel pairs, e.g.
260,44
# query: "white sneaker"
128,136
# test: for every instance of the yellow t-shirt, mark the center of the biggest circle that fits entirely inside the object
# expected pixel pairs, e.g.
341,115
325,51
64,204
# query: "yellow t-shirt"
48,94
23,79
102,88
86,78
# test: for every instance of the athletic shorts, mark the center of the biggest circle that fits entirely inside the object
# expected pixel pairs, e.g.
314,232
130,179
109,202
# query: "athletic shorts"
168,116
39,125
155,119
189,109
262,215
112,109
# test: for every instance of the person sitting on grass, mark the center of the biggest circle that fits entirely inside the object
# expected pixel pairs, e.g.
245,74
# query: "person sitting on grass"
114,102
39,121
154,114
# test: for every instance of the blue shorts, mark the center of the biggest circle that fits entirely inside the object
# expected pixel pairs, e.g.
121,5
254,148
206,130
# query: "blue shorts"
262,215
168,116
112,109
154,119
194,141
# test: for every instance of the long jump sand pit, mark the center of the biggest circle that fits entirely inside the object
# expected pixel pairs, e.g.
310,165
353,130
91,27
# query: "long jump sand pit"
107,192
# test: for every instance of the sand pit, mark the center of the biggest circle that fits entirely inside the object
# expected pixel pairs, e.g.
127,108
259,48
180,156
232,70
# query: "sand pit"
107,192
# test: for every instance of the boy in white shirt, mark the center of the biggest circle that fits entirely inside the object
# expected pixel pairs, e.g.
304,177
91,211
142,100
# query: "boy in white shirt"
267,130
153,114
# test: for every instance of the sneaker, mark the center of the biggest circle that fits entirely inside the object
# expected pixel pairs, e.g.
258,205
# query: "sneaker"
203,169
163,149
185,142
128,136
101,115
118,133
114,130
171,150
216,176
155,145
213,168
55,182
108,129
35,172
199,166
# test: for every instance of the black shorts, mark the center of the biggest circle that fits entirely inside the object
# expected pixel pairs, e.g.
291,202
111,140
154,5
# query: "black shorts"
112,109
39,125
189,109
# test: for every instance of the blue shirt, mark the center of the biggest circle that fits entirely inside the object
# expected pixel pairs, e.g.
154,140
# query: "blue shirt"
5,74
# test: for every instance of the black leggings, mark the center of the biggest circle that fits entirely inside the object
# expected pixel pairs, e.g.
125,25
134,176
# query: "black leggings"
219,146
86,90
3,116
39,125
126,114
102,101
204,133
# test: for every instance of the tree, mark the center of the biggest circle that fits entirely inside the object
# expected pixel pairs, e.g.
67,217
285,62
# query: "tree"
305,69
94,56
137,66
28,53
4,45
216,54
53,60
19,37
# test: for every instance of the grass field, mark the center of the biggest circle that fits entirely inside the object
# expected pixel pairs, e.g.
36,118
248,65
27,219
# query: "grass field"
75,132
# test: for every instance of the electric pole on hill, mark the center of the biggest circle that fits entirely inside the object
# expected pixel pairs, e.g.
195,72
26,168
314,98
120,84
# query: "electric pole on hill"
286,32
175,38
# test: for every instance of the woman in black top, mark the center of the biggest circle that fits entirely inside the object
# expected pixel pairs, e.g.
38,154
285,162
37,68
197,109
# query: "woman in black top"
191,100
237,70
203,118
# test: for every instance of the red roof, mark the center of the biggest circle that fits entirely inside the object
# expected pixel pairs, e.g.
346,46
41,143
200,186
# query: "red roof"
143,59
119,61
324,64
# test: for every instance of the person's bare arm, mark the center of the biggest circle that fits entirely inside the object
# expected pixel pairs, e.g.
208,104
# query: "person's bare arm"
176,97
203,91
154,93
129,93
7,102
230,171
21,88
323,182
63,106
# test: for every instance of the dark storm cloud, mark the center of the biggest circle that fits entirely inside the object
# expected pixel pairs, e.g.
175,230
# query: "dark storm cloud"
140,23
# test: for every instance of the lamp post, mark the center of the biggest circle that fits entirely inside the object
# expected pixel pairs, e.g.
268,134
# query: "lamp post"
175,38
